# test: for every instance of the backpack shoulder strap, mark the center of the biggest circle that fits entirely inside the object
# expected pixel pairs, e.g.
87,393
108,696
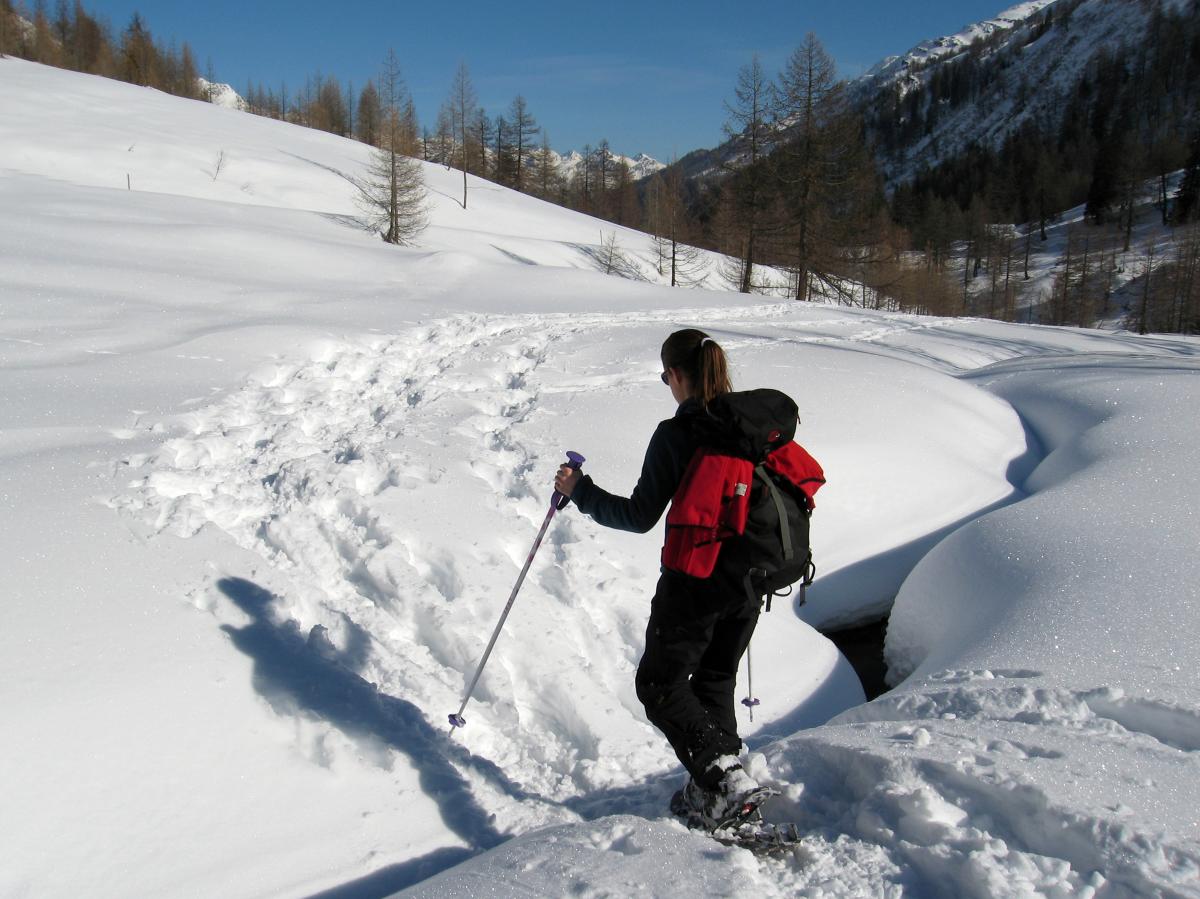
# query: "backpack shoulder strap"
785,529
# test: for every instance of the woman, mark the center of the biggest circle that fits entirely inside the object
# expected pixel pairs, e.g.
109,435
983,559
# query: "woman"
699,627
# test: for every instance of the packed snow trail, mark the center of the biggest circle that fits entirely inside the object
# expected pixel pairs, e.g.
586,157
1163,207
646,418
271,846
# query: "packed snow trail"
396,483
337,470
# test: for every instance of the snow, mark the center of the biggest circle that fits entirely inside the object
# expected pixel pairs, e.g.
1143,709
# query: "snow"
267,483
220,94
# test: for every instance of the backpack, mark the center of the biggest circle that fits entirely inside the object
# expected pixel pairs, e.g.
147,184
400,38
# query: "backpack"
746,496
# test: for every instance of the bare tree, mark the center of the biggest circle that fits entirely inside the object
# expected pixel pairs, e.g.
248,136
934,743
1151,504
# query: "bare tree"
612,258
550,182
810,167
462,103
370,115
666,221
747,191
6,27
443,151
522,129
393,193
481,128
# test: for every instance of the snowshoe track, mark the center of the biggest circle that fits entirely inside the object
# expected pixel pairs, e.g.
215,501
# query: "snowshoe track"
336,470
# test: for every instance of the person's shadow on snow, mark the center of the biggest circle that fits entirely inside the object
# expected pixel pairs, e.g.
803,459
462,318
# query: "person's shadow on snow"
311,676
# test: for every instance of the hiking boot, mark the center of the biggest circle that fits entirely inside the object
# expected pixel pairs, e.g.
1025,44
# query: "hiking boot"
691,803
737,797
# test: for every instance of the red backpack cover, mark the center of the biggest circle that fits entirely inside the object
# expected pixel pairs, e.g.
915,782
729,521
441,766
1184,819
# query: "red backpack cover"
712,502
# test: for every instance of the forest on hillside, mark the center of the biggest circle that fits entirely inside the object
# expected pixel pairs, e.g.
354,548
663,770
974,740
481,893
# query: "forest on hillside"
801,184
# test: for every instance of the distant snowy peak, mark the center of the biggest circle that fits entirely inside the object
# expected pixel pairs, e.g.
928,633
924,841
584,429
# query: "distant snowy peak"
895,68
221,94
644,166
640,166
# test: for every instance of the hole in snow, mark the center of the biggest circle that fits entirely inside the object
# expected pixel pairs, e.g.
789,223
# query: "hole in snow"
862,645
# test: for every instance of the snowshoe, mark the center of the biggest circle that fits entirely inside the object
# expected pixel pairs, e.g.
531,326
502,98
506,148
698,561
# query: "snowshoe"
759,837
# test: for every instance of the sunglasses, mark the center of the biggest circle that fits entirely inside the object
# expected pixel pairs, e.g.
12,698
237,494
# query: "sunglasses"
664,377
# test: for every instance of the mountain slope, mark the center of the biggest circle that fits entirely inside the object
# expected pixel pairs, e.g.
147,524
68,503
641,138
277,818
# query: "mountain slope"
980,85
984,84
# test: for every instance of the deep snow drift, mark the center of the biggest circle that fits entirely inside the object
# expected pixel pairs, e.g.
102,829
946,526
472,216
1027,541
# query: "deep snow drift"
267,483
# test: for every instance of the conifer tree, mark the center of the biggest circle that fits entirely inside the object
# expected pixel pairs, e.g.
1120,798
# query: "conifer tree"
443,147
369,120
746,193
1187,198
522,129
6,28
393,193
481,129
550,183
808,105
46,49
666,221
188,82
462,103
624,199
504,163
137,53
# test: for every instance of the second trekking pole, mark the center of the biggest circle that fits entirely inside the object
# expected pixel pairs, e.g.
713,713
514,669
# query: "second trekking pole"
557,501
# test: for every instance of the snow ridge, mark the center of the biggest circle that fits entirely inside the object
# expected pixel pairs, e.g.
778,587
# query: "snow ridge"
896,68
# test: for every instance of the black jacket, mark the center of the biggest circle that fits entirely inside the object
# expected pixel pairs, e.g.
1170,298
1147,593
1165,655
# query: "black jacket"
667,457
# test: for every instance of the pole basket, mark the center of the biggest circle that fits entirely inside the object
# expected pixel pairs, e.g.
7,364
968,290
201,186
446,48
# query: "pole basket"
457,720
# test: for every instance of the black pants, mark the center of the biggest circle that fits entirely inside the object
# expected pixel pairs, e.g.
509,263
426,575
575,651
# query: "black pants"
696,636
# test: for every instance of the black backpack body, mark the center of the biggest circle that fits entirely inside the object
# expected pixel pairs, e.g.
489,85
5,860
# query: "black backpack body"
747,496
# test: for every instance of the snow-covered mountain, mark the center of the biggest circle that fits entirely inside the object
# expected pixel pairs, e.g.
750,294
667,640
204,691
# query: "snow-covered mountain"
1026,64
900,68
1030,57
640,166
265,483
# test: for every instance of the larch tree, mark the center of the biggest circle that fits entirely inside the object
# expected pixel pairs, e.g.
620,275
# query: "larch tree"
444,148
522,129
462,104
666,220
603,165
370,115
137,53
747,193
504,163
393,193
481,130
808,107
6,27
550,181
46,48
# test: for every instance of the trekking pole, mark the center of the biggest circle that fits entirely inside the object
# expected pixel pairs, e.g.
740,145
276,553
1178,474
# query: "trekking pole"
557,501
750,701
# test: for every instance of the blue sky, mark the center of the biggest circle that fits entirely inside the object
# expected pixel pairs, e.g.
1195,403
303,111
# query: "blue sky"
649,77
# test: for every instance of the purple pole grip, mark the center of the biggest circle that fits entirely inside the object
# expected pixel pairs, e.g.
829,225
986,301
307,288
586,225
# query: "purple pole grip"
575,461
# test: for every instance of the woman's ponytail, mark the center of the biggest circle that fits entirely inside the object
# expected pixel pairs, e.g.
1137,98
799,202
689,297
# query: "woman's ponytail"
701,359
